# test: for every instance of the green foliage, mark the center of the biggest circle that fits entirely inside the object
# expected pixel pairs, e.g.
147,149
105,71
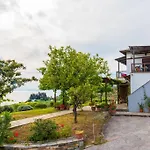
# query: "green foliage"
50,104
10,77
39,95
15,106
40,105
7,108
31,104
25,108
44,130
78,75
141,105
5,119
64,132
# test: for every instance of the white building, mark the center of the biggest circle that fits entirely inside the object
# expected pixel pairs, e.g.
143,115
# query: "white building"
137,61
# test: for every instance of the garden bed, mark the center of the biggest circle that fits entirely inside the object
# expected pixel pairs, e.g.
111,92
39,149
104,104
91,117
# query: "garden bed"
86,121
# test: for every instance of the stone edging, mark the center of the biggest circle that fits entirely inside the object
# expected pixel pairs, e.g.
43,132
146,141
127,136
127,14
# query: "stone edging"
57,144
132,114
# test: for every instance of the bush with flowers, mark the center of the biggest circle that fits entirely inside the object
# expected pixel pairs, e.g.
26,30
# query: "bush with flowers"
47,130
5,133
12,138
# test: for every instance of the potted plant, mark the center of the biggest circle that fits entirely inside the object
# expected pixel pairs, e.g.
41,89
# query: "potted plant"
79,134
141,107
62,107
112,109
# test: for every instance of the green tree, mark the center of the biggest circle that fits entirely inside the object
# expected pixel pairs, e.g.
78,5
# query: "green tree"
10,77
74,73
52,71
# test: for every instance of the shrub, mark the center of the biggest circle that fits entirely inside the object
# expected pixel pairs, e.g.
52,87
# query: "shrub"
43,130
40,105
31,104
7,108
1,109
5,119
15,106
51,104
25,108
64,131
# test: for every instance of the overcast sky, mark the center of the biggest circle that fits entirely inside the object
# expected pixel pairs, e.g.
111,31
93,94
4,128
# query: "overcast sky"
27,27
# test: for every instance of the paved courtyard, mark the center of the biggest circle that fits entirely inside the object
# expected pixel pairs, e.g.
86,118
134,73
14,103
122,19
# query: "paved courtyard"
126,133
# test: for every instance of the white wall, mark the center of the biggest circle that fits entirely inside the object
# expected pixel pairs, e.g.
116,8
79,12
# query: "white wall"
138,97
138,80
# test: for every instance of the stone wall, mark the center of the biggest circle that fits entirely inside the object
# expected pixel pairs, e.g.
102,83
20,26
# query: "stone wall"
66,144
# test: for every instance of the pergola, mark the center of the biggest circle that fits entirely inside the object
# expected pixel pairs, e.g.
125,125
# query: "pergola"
119,84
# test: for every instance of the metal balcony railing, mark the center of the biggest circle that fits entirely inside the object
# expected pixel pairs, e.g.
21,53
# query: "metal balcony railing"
140,67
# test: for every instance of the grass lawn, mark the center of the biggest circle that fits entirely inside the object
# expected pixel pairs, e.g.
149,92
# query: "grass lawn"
32,113
86,119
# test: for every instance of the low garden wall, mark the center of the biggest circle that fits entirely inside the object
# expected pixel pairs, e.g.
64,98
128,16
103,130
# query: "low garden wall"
66,144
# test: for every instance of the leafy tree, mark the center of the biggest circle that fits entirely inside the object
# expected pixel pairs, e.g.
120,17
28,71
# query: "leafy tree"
38,96
74,73
52,71
10,77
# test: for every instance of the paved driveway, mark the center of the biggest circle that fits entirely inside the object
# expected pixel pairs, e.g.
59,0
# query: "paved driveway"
126,133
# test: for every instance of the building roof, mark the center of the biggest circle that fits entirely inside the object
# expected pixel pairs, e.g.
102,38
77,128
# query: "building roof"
121,60
140,49
124,51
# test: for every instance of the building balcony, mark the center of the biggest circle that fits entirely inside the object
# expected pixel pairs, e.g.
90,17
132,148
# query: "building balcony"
140,67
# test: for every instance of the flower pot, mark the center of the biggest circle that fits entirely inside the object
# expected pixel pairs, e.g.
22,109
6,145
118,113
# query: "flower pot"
141,110
112,112
79,134
93,108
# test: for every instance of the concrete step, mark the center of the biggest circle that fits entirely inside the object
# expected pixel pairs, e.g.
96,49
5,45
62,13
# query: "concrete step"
137,114
122,109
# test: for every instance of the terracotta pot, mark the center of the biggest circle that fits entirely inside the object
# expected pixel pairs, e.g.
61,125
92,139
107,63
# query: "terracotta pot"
112,112
79,136
141,110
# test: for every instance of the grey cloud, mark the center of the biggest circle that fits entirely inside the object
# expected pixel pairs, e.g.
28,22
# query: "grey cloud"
41,14
7,5
98,26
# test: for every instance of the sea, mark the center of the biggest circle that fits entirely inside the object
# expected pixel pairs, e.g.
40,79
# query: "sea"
22,96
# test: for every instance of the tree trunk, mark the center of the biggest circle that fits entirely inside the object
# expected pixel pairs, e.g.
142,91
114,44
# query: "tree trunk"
63,92
91,98
75,113
55,96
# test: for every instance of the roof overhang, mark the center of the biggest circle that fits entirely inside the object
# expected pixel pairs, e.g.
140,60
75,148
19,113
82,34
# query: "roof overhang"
121,60
124,51
139,49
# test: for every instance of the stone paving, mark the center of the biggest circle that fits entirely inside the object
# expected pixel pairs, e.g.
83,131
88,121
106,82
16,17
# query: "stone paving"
126,133
46,116
30,120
